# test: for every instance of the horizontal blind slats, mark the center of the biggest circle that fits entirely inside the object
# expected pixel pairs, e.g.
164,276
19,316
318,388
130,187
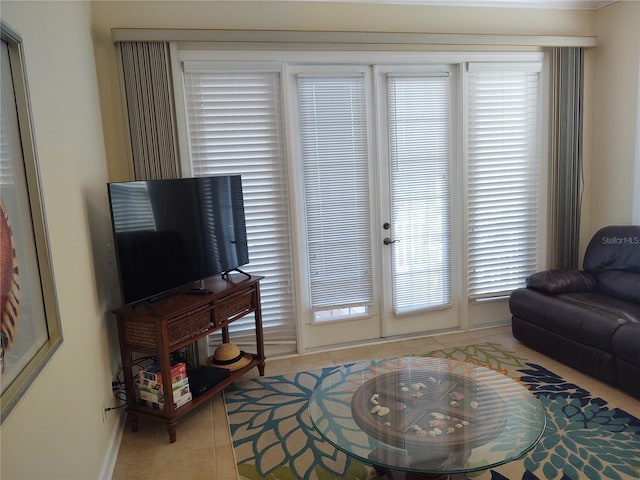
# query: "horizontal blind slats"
419,153
334,146
502,186
235,127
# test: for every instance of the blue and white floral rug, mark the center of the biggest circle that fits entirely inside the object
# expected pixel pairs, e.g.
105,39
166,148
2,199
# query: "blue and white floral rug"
584,438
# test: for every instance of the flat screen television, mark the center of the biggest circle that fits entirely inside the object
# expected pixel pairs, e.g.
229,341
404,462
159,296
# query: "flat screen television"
169,233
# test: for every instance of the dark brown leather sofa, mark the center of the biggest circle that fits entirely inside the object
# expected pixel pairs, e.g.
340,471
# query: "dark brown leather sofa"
588,319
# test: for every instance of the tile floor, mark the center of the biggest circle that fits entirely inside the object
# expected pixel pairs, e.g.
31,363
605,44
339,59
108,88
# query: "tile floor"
203,449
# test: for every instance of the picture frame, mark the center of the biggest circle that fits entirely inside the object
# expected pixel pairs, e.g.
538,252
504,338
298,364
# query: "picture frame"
30,329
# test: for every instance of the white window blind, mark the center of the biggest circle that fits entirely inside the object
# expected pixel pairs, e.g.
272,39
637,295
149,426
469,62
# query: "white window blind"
503,159
335,156
420,158
235,127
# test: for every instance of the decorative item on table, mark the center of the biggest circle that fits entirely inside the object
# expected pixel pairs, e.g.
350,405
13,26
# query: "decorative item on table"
229,356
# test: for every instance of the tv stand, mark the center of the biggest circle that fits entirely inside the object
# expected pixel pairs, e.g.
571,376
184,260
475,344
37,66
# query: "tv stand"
178,321
199,291
157,298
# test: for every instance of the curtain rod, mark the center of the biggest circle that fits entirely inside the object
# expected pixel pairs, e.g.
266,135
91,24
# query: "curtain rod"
300,37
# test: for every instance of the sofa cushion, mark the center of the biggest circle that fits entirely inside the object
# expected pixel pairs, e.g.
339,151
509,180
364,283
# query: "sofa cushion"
628,375
614,248
562,281
586,358
590,318
626,343
626,347
622,285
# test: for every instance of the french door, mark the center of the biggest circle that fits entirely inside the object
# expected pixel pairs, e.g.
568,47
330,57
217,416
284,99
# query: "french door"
381,199
377,214
416,125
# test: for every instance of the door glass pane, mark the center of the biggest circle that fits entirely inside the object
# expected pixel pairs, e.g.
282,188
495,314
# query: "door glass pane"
419,154
334,147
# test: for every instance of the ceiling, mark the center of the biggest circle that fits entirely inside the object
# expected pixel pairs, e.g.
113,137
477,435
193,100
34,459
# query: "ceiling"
545,4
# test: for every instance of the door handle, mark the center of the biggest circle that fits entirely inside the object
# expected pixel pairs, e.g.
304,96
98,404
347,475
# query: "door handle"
388,241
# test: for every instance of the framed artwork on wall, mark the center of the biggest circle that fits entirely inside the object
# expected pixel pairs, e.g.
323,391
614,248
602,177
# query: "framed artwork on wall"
30,324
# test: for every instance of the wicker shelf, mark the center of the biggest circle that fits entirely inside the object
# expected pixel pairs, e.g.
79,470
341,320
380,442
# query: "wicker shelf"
173,323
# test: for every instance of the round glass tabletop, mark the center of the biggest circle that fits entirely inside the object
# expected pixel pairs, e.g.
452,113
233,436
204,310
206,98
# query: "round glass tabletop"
426,415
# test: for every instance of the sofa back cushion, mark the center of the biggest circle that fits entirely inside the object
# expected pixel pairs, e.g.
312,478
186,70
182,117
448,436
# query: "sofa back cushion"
555,282
622,285
614,248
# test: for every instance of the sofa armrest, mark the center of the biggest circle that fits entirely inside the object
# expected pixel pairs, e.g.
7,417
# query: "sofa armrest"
562,281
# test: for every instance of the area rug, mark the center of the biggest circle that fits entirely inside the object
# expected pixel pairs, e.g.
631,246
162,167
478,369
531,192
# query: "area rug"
584,439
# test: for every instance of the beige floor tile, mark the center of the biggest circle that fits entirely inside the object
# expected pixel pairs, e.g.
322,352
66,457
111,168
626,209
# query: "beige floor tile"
221,432
291,364
192,434
349,355
455,339
489,334
140,446
384,350
201,414
187,464
140,470
506,340
426,343
278,366
225,462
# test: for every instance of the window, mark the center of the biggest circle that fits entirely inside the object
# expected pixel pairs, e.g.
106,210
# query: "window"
235,127
503,152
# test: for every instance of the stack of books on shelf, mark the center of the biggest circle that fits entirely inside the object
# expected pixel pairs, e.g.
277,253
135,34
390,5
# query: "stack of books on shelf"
152,391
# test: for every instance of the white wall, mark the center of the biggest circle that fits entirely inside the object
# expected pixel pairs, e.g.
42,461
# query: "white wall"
56,431
615,116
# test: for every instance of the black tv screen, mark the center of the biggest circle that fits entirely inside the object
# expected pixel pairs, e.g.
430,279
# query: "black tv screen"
169,233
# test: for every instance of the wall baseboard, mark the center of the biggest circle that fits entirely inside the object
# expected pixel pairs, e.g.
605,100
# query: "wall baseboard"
111,456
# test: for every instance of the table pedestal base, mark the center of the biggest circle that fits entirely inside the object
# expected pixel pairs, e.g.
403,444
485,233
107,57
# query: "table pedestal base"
398,475
382,456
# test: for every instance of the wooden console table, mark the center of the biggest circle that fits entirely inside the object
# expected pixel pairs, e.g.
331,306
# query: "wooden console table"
170,324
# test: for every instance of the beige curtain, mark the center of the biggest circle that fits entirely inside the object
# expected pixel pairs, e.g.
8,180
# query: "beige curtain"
148,90
146,75
567,88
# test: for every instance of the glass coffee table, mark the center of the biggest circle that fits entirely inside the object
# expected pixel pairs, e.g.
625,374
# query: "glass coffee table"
426,417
